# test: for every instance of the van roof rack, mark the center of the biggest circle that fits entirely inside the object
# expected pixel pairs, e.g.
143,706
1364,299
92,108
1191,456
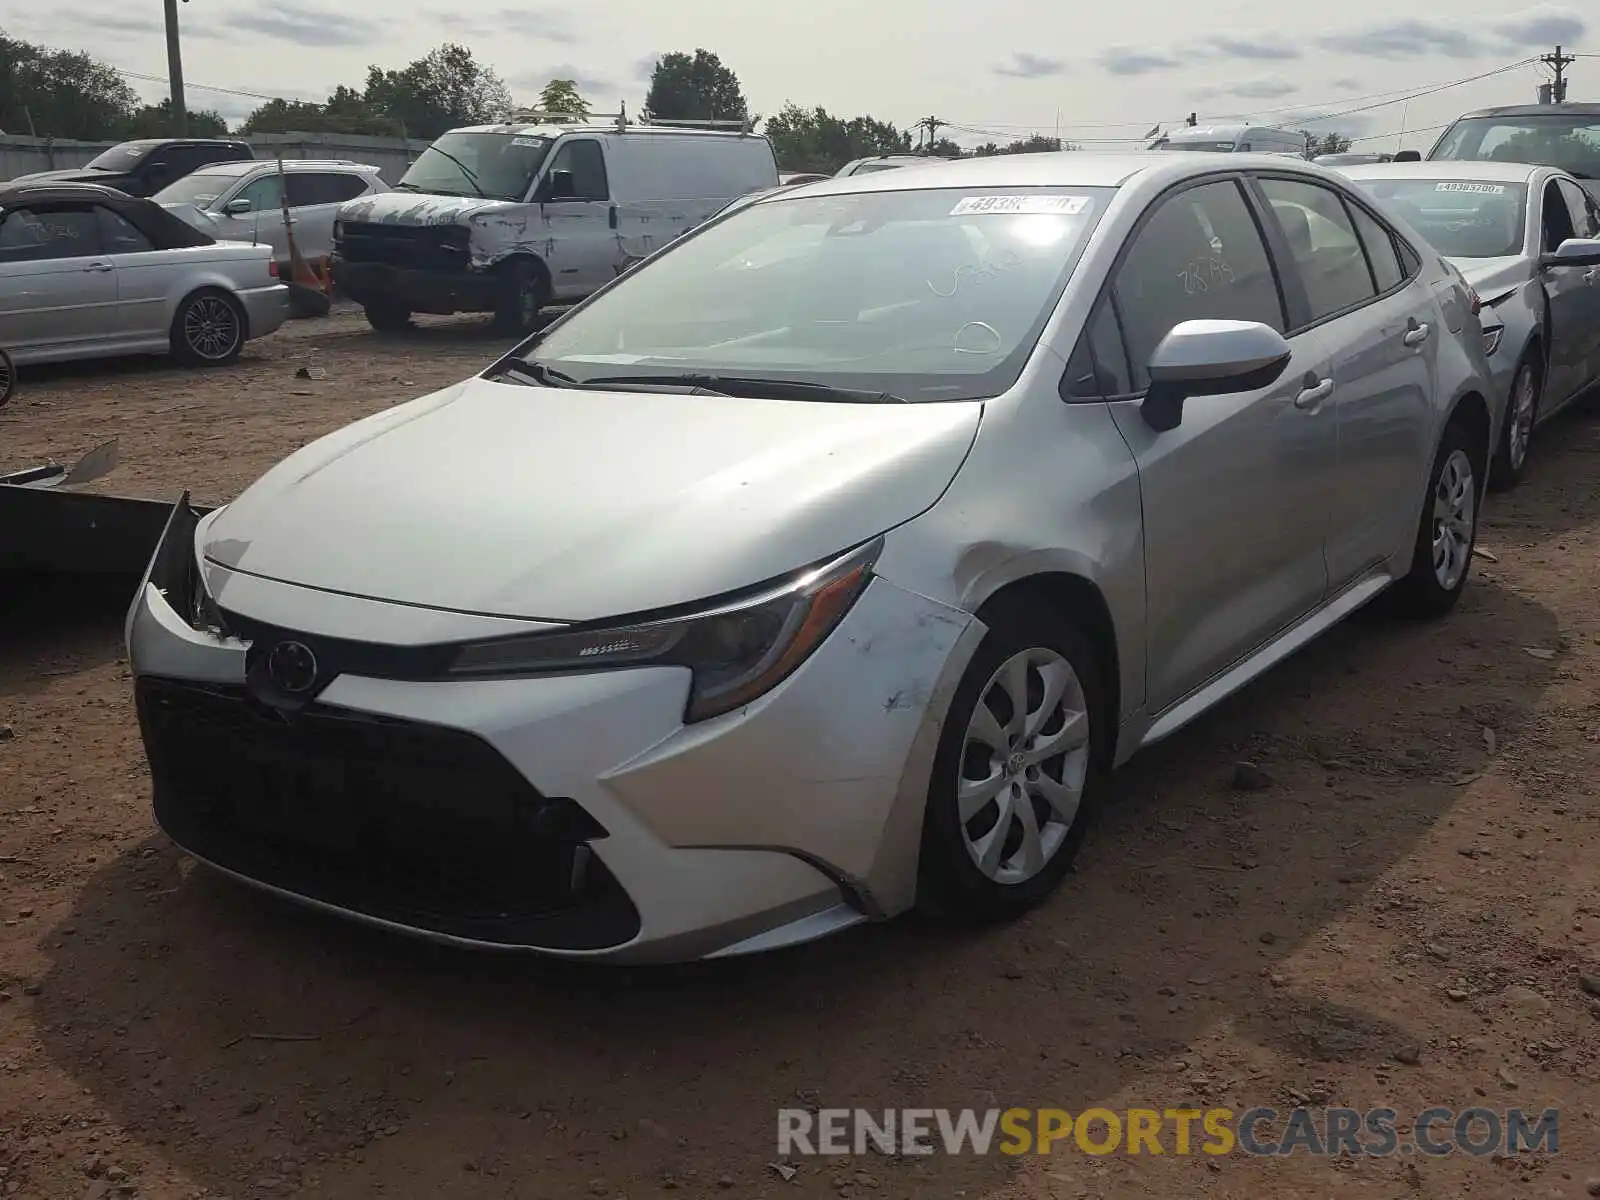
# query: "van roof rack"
621,122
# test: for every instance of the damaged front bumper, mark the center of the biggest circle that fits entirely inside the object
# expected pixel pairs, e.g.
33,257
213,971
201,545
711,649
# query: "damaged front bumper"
436,290
575,815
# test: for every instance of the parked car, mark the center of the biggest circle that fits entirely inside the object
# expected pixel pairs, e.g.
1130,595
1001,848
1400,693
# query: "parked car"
244,201
907,506
1563,135
1351,160
1234,139
89,271
509,219
1525,237
883,162
145,166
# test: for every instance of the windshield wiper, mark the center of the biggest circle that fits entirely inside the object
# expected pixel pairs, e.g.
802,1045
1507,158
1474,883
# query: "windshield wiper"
541,374
752,386
403,186
465,171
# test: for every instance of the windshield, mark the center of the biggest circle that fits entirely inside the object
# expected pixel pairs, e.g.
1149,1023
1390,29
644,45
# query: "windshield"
1461,218
497,165
934,294
1557,140
199,189
120,158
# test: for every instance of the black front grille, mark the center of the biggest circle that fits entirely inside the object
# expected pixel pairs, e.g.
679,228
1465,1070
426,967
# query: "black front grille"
418,824
418,247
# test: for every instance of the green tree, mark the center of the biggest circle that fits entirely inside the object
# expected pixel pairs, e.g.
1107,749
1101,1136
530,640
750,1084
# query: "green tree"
816,140
61,93
561,96
155,120
943,148
697,88
1035,144
445,89
1326,143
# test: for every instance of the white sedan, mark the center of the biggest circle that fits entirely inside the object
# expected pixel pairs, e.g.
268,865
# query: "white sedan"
822,565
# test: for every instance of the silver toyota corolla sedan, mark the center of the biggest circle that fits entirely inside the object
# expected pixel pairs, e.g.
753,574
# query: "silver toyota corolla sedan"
1525,238
88,271
824,564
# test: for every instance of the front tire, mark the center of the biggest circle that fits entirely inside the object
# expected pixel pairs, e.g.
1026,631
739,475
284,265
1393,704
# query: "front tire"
1018,766
1522,410
1442,558
387,318
523,292
8,378
208,329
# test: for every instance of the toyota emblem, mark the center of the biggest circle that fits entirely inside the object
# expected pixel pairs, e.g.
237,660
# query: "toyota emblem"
292,667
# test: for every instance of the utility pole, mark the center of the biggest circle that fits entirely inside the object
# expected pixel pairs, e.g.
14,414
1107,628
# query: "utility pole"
930,130
180,116
1558,62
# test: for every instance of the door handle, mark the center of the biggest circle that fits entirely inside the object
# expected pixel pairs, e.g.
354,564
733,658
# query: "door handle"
1416,334
612,216
100,267
1314,392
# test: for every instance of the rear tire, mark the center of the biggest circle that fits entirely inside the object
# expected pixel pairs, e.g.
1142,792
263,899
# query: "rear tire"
1510,465
387,318
8,378
1003,824
208,329
523,292
1442,558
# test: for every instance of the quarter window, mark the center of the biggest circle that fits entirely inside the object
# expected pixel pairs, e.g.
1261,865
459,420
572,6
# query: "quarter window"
1099,365
1198,257
1322,242
1379,243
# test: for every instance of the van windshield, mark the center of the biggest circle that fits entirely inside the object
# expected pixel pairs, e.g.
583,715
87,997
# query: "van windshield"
121,158
496,166
930,294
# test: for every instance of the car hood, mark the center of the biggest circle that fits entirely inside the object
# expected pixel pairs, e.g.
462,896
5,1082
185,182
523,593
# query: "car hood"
71,175
1491,278
576,505
418,208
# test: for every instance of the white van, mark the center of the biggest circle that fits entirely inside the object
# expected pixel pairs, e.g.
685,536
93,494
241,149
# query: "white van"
1234,139
509,218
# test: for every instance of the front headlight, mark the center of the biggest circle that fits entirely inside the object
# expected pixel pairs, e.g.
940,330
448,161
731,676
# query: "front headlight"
737,653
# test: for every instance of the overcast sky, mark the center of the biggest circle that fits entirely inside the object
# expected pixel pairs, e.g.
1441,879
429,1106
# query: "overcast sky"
1000,68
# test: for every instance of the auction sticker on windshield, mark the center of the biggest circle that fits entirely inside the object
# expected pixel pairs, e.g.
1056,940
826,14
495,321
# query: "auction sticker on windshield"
1070,206
1478,189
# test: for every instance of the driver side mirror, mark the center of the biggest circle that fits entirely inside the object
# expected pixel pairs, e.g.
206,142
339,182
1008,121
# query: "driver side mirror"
1210,358
1574,252
560,185
1407,156
237,208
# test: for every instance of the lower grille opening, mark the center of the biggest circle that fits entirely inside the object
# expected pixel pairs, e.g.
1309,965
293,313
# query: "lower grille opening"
417,824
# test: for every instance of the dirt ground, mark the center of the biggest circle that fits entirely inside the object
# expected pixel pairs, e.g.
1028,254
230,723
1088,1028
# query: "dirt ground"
1406,915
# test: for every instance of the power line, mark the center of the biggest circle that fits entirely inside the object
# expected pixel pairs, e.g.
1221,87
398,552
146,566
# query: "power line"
200,87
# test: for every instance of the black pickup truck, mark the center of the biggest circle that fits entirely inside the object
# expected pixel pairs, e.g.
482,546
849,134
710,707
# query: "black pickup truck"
144,167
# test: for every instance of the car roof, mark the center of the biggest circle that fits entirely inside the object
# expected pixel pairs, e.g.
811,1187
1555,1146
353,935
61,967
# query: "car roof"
1453,168
1068,168
55,189
1574,109
249,165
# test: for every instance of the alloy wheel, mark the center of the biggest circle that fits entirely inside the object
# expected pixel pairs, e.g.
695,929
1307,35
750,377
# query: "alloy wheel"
211,327
1024,761
1455,502
1524,396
